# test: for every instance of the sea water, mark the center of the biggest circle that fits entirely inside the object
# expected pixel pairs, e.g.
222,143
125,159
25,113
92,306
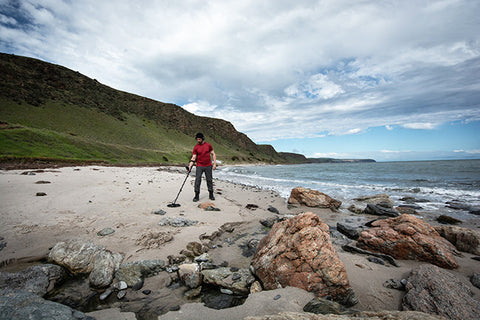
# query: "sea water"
433,183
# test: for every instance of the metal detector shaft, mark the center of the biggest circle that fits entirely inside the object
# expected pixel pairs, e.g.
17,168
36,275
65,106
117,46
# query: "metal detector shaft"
174,201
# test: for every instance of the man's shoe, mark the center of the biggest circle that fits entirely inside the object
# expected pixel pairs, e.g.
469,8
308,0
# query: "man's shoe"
211,196
196,198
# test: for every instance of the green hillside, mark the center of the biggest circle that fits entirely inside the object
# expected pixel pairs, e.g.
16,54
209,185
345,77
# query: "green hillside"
50,112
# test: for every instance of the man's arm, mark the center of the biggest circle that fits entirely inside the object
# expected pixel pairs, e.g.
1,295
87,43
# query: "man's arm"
212,153
192,162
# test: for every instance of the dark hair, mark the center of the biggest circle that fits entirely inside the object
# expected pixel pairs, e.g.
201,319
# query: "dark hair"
200,135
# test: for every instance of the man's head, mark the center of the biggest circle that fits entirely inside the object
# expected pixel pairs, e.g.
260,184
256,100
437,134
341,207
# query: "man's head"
200,137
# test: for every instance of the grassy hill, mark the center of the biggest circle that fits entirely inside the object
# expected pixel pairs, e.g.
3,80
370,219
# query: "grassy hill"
49,112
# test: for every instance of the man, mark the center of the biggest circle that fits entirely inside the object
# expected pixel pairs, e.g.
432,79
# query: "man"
201,154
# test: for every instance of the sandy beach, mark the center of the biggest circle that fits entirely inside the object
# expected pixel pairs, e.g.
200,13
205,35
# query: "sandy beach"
81,201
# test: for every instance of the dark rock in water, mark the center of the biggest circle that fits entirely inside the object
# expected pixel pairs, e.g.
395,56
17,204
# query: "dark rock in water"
41,194
433,290
273,209
395,284
411,206
324,306
20,304
448,220
413,200
406,210
39,279
475,280
105,232
458,205
380,211
350,232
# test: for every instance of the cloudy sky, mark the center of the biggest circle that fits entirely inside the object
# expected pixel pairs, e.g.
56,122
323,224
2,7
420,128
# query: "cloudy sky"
389,80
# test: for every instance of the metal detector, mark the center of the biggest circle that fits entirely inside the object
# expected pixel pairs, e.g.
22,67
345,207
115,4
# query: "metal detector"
174,204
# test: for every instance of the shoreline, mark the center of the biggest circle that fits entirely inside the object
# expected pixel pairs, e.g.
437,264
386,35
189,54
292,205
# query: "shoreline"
81,201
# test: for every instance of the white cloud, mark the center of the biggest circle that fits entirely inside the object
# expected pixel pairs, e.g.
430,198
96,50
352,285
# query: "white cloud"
275,69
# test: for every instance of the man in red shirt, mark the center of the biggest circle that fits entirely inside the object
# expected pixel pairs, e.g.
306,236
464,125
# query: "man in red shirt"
201,154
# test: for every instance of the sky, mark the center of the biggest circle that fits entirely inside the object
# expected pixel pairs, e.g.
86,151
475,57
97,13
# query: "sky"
389,80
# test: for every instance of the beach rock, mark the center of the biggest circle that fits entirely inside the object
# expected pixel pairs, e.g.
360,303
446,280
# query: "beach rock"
433,290
105,265
466,240
378,210
323,306
273,209
205,205
298,252
377,199
409,238
385,257
237,281
177,222
312,198
364,315
475,280
39,279
405,210
105,232
21,304
190,275
395,284
349,231
76,255
134,272
444,219
353,208
256,287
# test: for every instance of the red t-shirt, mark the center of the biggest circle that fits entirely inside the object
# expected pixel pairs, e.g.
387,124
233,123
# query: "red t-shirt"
203,154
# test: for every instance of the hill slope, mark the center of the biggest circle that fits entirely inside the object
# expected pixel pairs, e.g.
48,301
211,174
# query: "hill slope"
49,111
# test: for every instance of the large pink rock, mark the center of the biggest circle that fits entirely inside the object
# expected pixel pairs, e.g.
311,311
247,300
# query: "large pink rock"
312,198
298,252
409,238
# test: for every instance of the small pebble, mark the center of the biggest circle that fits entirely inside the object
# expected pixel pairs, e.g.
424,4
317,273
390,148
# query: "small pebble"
277,297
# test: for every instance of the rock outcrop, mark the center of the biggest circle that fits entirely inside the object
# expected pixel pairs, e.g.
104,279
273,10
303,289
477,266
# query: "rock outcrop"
312,198
298,252
80,256
433,290
409,238
364,315
466,240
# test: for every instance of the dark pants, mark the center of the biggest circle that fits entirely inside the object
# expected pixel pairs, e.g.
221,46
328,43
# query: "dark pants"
198,178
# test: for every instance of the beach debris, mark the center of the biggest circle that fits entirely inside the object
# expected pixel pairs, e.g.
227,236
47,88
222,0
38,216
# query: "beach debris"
409,238
42,182
464,239
177,222
41,194
378,210
433,290
378,199
312,198
105,232
298,252
159,212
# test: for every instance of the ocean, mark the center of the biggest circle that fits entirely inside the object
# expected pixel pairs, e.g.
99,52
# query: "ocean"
433,183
